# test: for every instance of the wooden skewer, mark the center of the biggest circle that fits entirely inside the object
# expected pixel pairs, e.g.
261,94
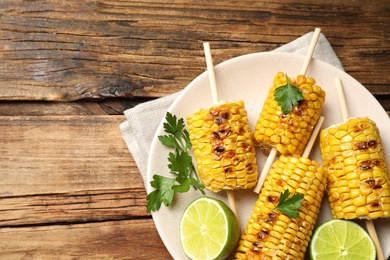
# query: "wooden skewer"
310,52
273,153
267,166
313,137
369,223
371,230
210,69
214,94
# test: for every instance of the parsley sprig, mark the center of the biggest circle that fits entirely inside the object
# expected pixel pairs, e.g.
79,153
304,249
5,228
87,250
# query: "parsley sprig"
180,165
287,96
290,206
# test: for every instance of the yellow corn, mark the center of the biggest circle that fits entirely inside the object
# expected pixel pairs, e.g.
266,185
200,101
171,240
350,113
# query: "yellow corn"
223,147
358,176
270,234
289,133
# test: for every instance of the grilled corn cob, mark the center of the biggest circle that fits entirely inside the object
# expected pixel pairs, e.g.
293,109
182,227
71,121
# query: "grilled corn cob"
289,133
223,147
358,176
270,234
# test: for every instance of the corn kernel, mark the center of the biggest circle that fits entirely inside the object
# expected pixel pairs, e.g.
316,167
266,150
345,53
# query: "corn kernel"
232,183
385,200
362,211
294,251
359,201
375,214
372,198
345,196
350,209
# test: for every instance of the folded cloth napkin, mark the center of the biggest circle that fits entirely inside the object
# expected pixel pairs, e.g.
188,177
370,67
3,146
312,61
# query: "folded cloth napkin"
142,120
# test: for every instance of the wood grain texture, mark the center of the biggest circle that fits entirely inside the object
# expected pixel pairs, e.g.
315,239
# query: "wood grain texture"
69,188
76,151
101,240
67,169
89,205
55,50
57,108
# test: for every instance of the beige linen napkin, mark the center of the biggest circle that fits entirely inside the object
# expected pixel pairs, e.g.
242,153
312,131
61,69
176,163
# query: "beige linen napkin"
142,120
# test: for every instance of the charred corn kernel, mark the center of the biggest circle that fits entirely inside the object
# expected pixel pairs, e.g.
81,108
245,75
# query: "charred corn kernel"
359,183
223,147
289,133
270,234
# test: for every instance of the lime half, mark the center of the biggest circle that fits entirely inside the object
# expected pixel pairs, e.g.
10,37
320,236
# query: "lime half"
208,229
343,240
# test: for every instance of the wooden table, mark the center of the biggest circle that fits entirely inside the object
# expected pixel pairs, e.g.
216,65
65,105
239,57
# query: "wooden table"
69,188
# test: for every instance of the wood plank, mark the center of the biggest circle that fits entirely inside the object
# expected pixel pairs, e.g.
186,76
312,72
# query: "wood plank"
53,50
102,240
73,207
63,153
58,169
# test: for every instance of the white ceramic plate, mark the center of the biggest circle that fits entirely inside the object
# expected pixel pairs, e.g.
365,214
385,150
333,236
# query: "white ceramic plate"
248,78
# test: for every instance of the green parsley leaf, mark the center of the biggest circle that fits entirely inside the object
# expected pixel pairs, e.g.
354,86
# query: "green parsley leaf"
287,96
290,206
163,193
180,165
168,140
185,185
186,137
197,185
173,126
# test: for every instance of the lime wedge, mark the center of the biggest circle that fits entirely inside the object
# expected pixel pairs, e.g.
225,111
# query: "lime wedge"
208,229
343,240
